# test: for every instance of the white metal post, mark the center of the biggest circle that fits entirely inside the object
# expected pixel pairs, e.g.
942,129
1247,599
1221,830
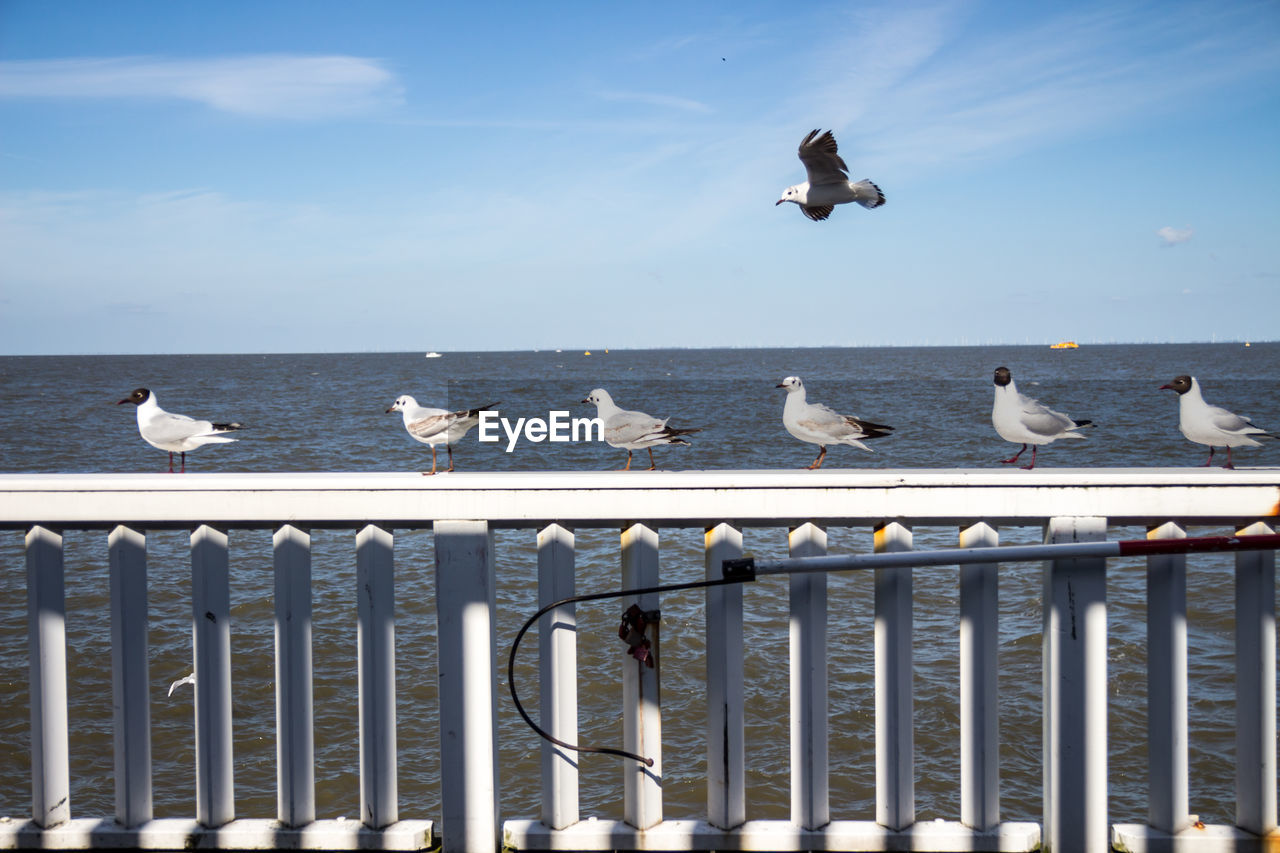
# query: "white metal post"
211,659
558,675
810,800
641,702
1256,686
1075,692
1167,685
979,679
465,604
130,683
47,642
376,673
895,736
295,744
726,772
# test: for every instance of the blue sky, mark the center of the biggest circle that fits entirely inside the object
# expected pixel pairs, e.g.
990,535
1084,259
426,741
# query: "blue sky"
336,176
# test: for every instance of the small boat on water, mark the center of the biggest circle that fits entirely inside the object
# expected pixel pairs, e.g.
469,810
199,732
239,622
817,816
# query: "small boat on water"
1065,345
432,354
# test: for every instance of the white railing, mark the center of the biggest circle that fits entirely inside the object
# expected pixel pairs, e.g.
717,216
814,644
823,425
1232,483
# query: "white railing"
464,509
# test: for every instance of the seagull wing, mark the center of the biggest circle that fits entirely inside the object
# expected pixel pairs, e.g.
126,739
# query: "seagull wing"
464,421
189,679
821,161
1228,421
1043,420
816,413
826,423
867,428
432,424
623,428
166,427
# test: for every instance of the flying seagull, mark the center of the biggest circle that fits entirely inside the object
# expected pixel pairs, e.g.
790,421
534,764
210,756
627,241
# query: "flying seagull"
821,425
1212,425
436,426
634,430
1022,420
174,433
828,183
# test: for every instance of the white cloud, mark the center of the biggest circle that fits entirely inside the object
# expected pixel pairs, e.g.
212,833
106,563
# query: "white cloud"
664,101
929,86
1171,236
275,86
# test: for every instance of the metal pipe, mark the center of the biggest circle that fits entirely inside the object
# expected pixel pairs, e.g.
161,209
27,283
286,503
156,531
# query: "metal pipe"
1002,554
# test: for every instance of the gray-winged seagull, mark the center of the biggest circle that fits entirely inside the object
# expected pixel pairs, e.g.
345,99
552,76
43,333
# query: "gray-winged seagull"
1023,420
436,426
634,430
174,433
828,183
1212,425
821,425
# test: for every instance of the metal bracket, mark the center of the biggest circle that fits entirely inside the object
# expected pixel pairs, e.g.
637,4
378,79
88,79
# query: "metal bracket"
741,569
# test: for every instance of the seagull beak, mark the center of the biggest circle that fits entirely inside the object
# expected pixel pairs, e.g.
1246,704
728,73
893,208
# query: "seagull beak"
122,402
779,385
584,401
1165,388
390,410
775,204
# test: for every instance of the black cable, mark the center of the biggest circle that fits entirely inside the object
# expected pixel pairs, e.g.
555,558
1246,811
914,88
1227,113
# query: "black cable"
515,645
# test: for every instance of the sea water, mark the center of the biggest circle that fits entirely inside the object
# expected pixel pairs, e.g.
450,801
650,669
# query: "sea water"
326,412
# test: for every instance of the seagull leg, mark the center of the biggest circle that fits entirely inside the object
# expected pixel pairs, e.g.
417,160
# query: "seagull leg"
1014,457
184,462
433,463
1210,461
1034,448
817,463
449,447
1229,464
170,461
628,465
652,465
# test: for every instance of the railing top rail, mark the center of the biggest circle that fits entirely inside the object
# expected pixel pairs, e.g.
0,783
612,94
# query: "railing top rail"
663,498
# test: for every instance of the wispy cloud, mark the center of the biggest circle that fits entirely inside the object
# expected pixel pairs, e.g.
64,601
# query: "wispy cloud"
1170,236
273,86
671,102
929,86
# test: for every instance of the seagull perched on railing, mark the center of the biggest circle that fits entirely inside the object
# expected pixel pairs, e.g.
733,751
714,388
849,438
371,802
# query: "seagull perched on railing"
634,430
1022,420
436,426
174,433
828,183
822,425
1212,425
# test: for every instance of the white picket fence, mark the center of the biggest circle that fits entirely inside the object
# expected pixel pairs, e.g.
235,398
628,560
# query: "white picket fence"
464,509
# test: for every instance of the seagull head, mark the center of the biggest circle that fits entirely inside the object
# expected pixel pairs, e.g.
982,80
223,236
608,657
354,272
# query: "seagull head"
138,397
402,403
791,194
791,383
1003,377
1181,384
599,397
